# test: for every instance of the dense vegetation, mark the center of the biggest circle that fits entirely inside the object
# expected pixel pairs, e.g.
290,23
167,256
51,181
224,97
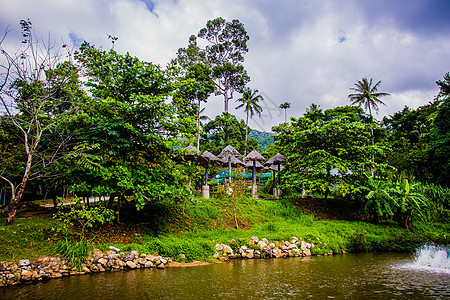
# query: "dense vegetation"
100,123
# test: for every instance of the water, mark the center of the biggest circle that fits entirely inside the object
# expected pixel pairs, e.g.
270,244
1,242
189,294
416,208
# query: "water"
350,276
431,258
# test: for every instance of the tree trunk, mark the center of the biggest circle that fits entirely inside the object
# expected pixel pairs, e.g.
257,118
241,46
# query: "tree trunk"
14,205
225,95
110,201
198,126
15,199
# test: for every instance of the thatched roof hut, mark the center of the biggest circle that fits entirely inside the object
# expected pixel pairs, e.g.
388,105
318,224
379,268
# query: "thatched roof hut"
254,156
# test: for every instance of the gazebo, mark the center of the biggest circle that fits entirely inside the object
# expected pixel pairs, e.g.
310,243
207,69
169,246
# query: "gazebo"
207,158
274,163
228,156
254,157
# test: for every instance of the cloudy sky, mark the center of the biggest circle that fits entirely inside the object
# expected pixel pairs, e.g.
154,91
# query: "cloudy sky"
300,51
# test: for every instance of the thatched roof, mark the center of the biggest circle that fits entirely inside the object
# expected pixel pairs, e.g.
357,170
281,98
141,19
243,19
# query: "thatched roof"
209,158
234,161
191,150
229,151
258,165
254,155
276,159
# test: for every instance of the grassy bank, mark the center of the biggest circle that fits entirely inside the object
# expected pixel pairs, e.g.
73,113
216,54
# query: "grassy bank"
188,231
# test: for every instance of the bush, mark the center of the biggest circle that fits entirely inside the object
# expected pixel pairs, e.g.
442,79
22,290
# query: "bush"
76,252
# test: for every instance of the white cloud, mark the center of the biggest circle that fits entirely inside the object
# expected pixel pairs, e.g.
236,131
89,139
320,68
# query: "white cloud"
299,51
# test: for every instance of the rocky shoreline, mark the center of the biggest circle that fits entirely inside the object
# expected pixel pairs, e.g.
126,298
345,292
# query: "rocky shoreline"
45,268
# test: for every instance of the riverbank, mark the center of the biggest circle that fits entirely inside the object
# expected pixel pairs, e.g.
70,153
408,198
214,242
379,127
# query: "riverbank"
45,268
201,231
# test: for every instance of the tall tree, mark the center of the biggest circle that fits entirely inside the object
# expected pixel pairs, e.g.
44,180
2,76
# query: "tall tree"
439,152
194,83
227,43
367,95
38,93
135,126
285,106
249,101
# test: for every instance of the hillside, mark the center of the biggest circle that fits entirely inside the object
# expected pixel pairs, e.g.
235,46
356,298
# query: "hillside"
264,139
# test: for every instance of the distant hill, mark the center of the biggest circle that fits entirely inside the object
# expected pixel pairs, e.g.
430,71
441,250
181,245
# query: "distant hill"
264,139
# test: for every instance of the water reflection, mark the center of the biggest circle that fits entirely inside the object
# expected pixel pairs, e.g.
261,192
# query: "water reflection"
352,276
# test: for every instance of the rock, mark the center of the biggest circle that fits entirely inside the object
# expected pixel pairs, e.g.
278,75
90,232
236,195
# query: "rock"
182,256
112,256
103,262
150,257
131,264
303,246
272,245
292,246
262,245
141,261
26,275
161,266
307,252
265,240
85,269
56,275
101,269
162,260
24,262
148,264
114,248
255,239
216,255
219,247
93,268
308,246
97,254
227,249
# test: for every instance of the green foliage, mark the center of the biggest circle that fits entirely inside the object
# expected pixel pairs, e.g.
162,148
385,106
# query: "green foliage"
82,216
314,148
227,43
402,200
263,138
76,252
225,130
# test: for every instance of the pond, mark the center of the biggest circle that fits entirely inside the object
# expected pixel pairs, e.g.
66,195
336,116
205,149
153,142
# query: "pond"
353,276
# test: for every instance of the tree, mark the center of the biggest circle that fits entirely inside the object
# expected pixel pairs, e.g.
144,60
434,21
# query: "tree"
38,93
367,95
315,148
227,43
194,83
249,101
225,130
136,128
285,106
439,151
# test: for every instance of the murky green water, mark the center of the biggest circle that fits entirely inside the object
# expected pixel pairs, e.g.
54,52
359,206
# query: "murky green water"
351,276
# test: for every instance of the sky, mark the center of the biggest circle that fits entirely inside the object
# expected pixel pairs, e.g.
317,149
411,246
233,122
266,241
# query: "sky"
300,51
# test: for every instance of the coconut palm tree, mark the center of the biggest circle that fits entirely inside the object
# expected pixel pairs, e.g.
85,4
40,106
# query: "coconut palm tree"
367,95
285,106
249,101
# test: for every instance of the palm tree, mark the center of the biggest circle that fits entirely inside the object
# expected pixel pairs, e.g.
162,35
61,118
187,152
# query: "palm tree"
249,101
366,94
285,106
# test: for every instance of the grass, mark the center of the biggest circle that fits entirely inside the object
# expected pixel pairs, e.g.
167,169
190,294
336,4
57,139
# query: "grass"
188,231
27,238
